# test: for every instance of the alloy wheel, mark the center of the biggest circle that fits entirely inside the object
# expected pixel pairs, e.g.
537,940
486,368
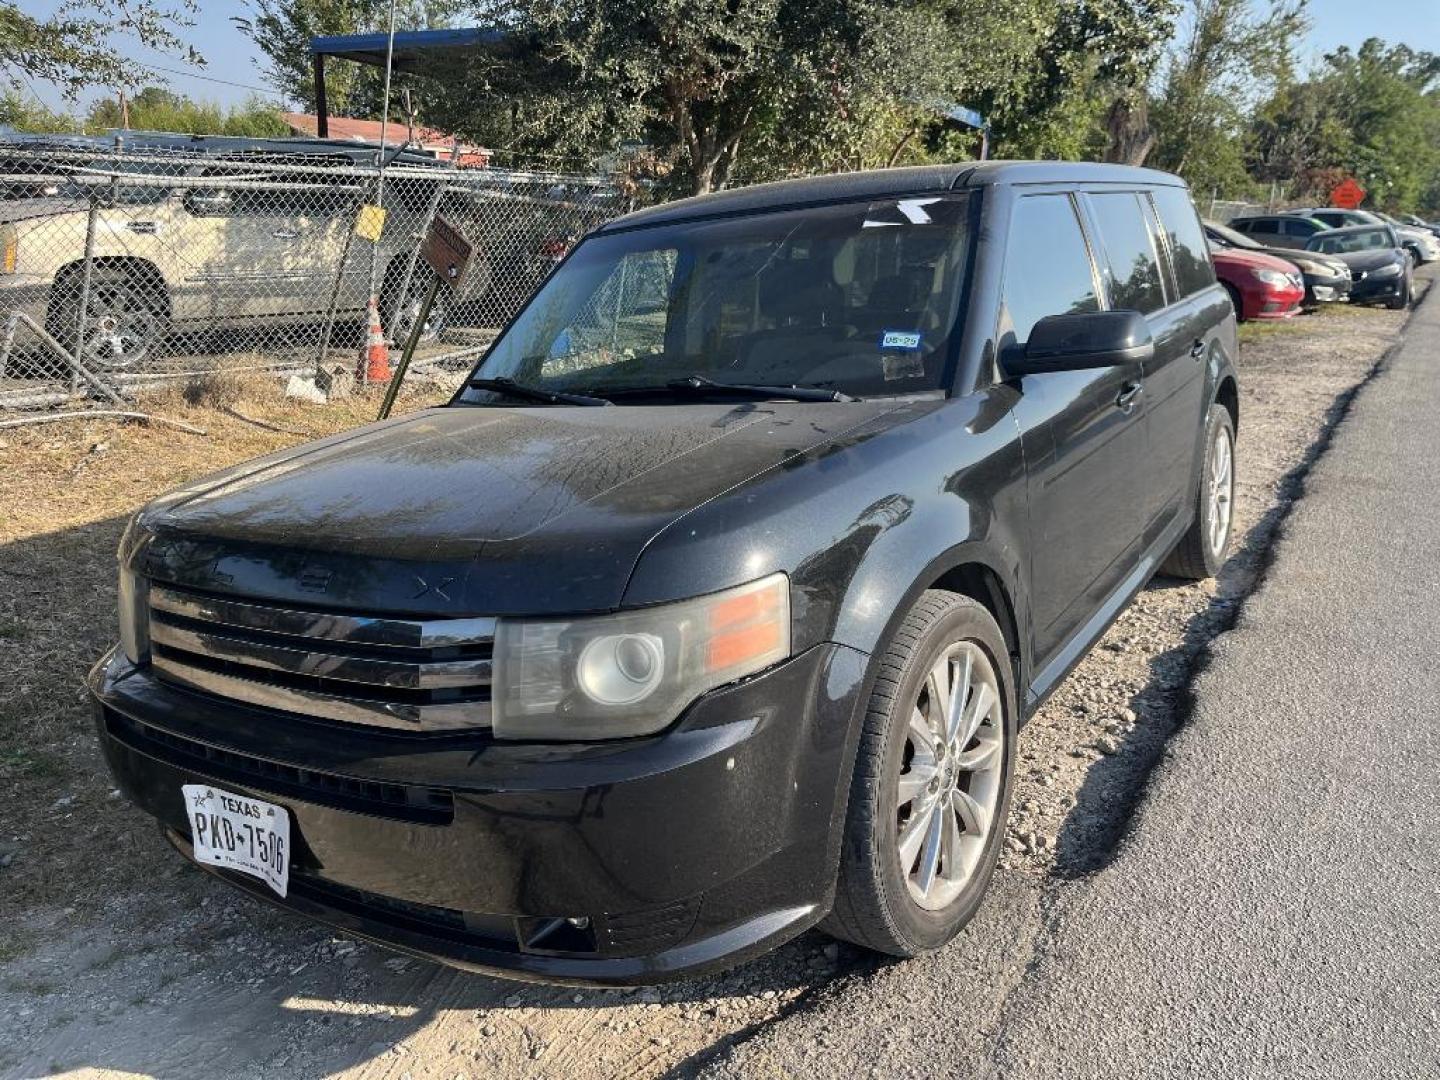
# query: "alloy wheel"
120,328
951,775
1221,490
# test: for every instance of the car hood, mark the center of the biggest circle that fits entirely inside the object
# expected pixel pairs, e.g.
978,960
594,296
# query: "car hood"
1256,259
1289,256
13,210
1370,260
476,510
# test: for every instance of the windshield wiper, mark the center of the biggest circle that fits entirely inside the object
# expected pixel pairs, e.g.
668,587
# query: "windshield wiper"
510,388
700,386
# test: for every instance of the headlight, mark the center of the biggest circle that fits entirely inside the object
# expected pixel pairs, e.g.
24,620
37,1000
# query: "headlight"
1308,267
134,616
634,672
1389,270
1270,277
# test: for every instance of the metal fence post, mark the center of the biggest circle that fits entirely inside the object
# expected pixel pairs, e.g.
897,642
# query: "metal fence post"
414,256
329,326
87,274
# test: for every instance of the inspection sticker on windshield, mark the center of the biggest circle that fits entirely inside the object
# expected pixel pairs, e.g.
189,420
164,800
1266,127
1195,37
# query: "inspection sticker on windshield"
236,832
900,339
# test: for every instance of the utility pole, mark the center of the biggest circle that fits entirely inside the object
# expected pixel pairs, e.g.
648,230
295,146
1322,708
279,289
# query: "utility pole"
124,111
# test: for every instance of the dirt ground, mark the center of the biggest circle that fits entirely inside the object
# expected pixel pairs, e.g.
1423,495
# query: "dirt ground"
117,959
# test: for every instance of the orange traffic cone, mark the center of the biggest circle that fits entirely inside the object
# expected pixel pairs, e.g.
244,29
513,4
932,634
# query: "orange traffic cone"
375,363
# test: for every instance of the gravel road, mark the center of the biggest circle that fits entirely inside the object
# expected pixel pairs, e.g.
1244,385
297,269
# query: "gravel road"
183,977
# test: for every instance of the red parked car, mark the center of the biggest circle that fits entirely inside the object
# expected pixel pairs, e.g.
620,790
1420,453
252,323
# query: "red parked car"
1260,286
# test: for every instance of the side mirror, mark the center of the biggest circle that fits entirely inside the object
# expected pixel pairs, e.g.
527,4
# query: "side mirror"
1093,339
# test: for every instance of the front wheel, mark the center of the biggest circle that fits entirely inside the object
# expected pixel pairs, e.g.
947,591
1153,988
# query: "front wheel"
1201,551
931,789
1401,300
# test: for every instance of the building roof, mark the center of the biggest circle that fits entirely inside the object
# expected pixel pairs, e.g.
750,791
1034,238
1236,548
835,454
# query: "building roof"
344,127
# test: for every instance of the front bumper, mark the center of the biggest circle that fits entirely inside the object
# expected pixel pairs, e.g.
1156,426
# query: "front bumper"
1326,289
676,854
1370,288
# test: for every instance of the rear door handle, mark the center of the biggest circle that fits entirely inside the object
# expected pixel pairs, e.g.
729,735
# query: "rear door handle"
1198,349
285,234
1129,394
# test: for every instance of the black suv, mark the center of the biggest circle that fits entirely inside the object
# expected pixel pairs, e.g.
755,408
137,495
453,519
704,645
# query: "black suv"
710,608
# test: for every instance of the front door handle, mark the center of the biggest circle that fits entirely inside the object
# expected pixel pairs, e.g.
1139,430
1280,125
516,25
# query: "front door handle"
1129,394
285,234
1198,349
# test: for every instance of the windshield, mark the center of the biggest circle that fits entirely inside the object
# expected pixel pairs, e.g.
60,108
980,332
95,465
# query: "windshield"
1359,240
860,298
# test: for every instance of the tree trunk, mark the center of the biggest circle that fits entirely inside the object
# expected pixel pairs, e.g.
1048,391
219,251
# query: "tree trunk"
1130,136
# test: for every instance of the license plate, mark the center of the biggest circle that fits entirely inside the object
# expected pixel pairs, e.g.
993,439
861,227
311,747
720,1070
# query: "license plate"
237,832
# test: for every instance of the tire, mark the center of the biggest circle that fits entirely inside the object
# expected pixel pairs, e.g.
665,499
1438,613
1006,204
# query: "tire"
1236,301
126,318
878,902
1199,555
1402,301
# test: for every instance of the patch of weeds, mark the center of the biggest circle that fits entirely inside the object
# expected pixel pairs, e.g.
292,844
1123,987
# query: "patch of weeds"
37,765
14,945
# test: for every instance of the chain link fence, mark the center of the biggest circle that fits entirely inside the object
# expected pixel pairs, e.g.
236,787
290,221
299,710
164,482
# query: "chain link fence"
123,267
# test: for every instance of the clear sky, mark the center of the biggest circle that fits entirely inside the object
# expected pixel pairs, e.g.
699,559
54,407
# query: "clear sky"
231,56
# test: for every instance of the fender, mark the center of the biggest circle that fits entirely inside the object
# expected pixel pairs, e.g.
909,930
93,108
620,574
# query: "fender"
862,525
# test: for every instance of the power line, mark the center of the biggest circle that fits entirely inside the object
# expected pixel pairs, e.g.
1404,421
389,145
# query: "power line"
204,78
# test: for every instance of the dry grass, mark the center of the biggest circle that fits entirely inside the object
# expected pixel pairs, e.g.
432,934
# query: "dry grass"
65,493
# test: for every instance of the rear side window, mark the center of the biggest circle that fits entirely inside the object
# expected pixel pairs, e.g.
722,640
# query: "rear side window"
1129,252
1188,250
1297,227
1047,266
1263,225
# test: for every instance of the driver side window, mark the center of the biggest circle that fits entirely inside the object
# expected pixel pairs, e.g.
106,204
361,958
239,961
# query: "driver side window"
1048,269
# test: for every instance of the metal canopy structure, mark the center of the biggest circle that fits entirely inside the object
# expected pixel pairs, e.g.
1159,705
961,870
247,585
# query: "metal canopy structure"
414,51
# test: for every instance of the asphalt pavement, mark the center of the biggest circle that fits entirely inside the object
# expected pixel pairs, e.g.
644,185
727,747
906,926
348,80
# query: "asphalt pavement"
1275,909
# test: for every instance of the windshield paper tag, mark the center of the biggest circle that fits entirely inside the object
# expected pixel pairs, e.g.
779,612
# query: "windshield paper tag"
900,339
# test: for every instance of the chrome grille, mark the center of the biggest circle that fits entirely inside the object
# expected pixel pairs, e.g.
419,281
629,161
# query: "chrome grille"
410,674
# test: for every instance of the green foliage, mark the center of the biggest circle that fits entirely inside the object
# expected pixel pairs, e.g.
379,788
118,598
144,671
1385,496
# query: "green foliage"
1233,56
282,30
72,48
24,113
157,109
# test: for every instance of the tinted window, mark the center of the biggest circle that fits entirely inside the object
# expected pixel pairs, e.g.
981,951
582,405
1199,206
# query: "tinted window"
1363,240
1129,252
1047,266
1262,225
1301,227
1188,251
859,297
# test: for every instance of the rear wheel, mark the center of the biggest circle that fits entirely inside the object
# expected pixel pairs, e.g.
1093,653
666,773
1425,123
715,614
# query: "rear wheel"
124,319
931,789
1201,551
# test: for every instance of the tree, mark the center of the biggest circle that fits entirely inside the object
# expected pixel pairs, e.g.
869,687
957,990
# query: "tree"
1085,95
282,30
30,115
1372,113
155,108
730,89
72,49
1232,56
